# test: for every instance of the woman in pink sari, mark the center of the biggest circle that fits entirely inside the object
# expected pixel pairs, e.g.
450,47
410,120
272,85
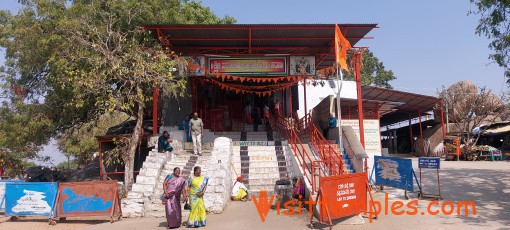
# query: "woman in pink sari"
173,189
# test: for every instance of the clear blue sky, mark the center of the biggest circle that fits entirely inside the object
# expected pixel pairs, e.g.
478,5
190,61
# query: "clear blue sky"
427,44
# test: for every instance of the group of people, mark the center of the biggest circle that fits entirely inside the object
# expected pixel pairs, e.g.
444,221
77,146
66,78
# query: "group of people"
177,190
258,116
194,129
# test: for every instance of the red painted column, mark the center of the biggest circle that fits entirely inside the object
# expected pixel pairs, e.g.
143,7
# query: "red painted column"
306,109
411,133
290,103
194,96
443,129
357,67
155,96
421,136
100,161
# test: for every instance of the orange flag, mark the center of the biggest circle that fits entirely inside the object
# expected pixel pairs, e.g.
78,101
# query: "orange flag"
341,47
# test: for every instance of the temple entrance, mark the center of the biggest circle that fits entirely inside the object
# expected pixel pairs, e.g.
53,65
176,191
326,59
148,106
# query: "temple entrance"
224,110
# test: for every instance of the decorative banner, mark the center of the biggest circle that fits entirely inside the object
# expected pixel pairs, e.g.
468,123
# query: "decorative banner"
343,195
395,172
429,162
2,191
95,198
195,65
302,65
251,66
30,199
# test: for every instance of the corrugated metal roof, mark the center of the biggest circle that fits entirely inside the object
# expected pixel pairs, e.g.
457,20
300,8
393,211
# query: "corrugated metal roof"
302,39
409,103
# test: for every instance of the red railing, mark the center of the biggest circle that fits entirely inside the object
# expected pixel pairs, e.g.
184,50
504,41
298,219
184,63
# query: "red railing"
331,162
328,153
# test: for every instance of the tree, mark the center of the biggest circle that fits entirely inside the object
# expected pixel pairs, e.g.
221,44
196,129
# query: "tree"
494,24
81,143
373,72
87,58
469,107
23,129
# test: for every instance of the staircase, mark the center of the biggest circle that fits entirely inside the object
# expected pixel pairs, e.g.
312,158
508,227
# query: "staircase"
186,161
260,158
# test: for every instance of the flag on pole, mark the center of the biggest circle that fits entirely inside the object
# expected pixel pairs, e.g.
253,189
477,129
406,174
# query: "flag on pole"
341,47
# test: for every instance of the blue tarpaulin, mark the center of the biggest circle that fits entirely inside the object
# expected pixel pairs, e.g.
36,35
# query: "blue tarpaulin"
30,199
2,191
395,172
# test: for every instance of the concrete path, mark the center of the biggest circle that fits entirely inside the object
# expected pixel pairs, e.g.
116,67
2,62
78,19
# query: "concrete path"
485,183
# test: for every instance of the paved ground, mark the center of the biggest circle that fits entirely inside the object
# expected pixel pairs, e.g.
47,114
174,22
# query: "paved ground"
485,183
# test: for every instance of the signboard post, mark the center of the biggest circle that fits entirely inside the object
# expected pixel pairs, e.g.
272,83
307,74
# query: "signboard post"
341,196
430,163
395,172
30,199
94,198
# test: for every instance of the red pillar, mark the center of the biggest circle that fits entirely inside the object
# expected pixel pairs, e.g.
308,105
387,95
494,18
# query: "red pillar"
194,97
411,133
155,95
442,126
290,103
306,109
421,136
100,161
357,67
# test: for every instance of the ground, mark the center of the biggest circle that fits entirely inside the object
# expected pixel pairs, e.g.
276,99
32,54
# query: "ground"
486,183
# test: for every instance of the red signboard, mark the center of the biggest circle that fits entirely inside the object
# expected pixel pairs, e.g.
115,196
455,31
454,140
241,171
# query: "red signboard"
343,195
249,66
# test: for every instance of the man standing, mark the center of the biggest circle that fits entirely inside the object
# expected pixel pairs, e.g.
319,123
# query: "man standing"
196,130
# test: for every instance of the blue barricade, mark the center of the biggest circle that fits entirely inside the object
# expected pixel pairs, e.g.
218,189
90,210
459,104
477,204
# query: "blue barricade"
30,199
2,191
395,172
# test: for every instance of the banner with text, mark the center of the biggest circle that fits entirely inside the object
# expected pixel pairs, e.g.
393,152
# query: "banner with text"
249,66
395,172
372,135
2,191
30,199
343,195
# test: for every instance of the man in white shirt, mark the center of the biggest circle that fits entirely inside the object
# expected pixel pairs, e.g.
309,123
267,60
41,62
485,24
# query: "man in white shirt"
196,130
239,191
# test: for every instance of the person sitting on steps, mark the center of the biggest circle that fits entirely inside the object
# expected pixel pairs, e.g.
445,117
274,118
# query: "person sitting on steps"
164,143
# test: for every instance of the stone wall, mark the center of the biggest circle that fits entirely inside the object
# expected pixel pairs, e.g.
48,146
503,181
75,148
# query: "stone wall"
219,172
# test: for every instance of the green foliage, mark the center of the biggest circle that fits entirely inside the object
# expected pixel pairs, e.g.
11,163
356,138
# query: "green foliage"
494,24
68,166
87,58
23,129
373,72
81,142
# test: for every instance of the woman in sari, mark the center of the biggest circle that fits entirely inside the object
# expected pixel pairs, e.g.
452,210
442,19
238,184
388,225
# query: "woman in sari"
197,185
173,187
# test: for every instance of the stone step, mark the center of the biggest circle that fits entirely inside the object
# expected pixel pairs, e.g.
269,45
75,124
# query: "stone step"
263,170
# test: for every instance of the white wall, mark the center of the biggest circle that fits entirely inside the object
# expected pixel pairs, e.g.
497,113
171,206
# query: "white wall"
315,94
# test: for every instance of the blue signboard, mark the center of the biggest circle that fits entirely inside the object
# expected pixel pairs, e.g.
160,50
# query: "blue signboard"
429,162
395,172
2,191
30,199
